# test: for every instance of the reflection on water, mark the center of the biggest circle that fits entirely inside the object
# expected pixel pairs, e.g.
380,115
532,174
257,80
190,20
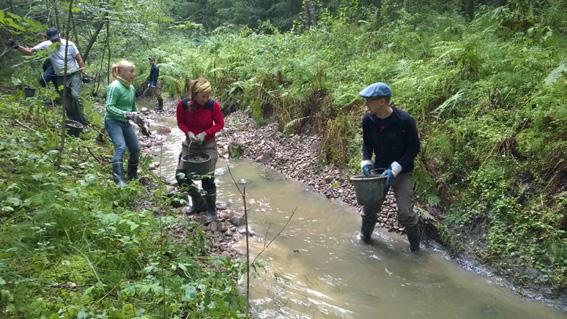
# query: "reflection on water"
317,269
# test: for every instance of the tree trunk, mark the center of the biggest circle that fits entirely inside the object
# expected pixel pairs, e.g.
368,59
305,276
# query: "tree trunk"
75,34
92,41
310,19
468,9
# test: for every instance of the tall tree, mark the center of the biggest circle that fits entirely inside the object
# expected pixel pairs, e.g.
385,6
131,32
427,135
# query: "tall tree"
468,9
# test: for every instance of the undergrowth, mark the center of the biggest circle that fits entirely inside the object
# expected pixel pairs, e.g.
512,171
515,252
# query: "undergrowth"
73,245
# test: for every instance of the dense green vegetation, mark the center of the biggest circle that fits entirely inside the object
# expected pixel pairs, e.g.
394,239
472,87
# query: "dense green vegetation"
487,87
489,96
73,246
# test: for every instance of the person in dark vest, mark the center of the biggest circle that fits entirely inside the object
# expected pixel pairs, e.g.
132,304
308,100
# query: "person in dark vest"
153,83
200,118
390,136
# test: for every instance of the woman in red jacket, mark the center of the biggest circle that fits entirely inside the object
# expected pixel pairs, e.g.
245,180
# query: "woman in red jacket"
200,118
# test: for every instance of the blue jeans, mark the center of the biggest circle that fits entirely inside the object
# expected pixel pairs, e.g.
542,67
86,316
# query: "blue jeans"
123,136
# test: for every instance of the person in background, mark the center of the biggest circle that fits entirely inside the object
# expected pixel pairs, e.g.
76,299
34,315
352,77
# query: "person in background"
200,118
153,83
389,134
120,108
64,56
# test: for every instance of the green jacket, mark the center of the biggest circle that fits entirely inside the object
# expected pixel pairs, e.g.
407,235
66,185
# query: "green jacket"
120,98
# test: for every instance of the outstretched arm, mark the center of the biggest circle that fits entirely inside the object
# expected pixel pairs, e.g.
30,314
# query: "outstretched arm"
24,50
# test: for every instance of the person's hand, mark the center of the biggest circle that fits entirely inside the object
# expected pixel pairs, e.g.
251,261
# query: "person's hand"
142,124
389,177
366,167
391,172
367,170
191,136
130,115
201,137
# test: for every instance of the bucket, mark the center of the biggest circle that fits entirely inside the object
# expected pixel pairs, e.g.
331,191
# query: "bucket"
198,165
370,190
29,92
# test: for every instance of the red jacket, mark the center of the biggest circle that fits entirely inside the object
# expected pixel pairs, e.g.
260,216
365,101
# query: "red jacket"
207,119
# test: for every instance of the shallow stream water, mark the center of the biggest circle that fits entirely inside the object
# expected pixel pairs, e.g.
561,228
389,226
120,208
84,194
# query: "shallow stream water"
316,268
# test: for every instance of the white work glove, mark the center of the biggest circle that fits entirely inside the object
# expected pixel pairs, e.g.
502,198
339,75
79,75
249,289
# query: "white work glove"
130,115
191,136
201,137
391,172
366,166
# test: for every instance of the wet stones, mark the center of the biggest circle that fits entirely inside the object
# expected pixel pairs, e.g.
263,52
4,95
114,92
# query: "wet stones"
296,156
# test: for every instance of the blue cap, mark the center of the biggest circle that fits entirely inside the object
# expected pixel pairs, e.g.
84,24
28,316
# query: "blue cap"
52,34
378,89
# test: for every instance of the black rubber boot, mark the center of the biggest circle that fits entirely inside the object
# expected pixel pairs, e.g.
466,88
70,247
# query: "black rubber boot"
132,173
211,206
117,174
413,237
368,223
160,104
197,202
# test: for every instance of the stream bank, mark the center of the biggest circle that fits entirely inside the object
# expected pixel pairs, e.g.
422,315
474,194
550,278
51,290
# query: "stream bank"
295,156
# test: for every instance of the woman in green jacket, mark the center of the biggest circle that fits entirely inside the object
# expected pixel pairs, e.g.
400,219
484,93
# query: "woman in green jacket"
120,108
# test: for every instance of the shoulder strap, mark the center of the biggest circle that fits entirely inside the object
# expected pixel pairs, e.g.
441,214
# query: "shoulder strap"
185,103
210,104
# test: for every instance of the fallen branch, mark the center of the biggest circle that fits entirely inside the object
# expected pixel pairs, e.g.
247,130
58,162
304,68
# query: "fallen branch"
24,126
98,159
277,235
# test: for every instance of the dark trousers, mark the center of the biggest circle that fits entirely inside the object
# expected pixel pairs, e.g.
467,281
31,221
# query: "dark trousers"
71,98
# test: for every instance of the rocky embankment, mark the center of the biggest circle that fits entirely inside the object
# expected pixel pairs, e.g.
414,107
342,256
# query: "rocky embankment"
296,156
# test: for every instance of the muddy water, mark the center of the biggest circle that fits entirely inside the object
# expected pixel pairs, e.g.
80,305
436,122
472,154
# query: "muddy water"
317,269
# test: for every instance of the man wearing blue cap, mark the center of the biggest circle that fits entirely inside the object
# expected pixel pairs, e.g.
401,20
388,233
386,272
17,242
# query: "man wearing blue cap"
389,134
64,56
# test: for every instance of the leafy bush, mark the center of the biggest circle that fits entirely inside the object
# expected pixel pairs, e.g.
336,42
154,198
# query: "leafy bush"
72,245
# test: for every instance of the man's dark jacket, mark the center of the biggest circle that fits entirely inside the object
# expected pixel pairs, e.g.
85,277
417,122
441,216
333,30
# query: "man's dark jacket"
392,139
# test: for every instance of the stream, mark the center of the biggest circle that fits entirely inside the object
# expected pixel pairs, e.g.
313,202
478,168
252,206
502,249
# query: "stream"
316,268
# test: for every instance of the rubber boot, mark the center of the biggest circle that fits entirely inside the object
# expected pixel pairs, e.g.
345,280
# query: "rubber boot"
413,237
197,201
211,207
366,231
132,173
160,104
117,174
369,214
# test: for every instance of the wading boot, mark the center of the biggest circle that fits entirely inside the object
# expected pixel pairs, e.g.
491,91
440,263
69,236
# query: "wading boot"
366,232
132,173
413,237
211,207
160,104
117,174
368,222
197,202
